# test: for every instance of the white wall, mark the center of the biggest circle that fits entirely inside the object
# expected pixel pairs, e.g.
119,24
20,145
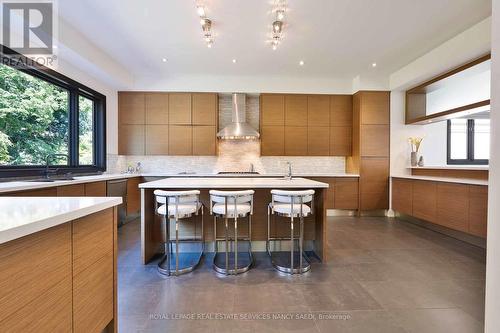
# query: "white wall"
492,320
470,44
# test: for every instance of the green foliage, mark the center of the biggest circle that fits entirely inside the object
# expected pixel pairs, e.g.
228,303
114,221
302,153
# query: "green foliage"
34,120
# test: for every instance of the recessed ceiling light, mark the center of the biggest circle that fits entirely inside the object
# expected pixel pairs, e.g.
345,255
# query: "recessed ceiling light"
200,10
234,61
301,63
164,59
374,64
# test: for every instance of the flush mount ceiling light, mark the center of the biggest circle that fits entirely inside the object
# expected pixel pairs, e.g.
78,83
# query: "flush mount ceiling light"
279,9
206,24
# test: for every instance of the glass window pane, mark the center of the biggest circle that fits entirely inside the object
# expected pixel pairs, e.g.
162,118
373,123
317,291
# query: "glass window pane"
86,128
481,139
33,119
458,139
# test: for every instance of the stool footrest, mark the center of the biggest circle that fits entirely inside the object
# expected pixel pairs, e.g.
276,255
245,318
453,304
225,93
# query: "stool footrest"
245,261
187,263
281,261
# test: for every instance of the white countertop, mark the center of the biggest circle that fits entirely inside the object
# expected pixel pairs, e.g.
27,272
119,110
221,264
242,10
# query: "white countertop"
452,167
22,216
445,179
309,175
236,182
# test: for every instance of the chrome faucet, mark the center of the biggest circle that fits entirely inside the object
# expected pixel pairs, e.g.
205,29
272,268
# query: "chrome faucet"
289,174
252,168
49,158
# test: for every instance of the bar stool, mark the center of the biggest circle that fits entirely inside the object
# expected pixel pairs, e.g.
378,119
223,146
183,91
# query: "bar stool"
179,205
232,205
290,204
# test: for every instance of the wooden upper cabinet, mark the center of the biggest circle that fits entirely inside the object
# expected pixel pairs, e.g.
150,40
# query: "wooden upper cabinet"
131,139
204,109
402,195
318,141
180,140
341,110
131,108
453,206
341,141
375,140
375,107
156,142
272,141
204,140
295,110
295,141
424,200
179,109
156,108
478,210
318,110
272,110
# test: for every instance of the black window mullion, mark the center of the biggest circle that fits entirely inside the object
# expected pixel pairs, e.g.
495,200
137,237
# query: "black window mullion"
74,130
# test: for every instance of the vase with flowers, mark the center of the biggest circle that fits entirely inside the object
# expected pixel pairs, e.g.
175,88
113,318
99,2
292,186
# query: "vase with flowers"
415,146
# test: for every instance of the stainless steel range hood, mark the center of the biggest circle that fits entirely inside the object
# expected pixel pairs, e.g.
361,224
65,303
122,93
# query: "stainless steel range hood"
238,129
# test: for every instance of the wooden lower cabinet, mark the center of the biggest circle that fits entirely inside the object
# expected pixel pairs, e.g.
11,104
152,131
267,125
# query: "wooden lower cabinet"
96,189
62,279
374,183
77,190
346,193
133,195
455,206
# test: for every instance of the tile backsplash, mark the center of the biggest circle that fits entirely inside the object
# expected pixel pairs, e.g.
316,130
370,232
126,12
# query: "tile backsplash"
233,155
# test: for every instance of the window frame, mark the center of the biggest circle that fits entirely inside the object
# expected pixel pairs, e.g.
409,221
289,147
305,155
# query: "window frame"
75,89
470,147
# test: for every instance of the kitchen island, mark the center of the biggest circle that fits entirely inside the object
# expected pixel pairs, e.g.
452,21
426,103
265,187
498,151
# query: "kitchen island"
152,229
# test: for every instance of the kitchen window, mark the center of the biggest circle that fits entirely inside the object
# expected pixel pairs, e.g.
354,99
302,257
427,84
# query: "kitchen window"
468,141
43,113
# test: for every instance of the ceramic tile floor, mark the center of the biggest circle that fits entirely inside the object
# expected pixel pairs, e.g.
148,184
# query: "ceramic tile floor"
382,275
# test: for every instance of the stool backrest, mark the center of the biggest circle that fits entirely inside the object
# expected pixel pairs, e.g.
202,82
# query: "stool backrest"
232,198
175,198
297,197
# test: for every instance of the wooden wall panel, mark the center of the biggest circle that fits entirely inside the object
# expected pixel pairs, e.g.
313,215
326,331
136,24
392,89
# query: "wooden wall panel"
77,190
131,139
156,108
453,206
318,110
346,193
341,110
272,110
272,140
478,210
295,141
425,200
179,109
204,140
156,141
205,109
318,141
402,195
341,141
180,140
131,106
295,110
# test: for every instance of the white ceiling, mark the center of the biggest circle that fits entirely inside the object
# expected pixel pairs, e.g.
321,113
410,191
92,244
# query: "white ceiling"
335,38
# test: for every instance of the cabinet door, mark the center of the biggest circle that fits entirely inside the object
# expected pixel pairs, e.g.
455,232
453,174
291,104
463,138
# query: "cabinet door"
329,193
341,141
96,189
205,109
180,140
156,108
478,210
272,141
131,140
453,206
375,140
402,195
272,110
295,110
131,108
424,200
295,141
133,195
179,109
346,193
318,110
341,110
77,190
204,140
374,184
375,107
156,140
318,141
